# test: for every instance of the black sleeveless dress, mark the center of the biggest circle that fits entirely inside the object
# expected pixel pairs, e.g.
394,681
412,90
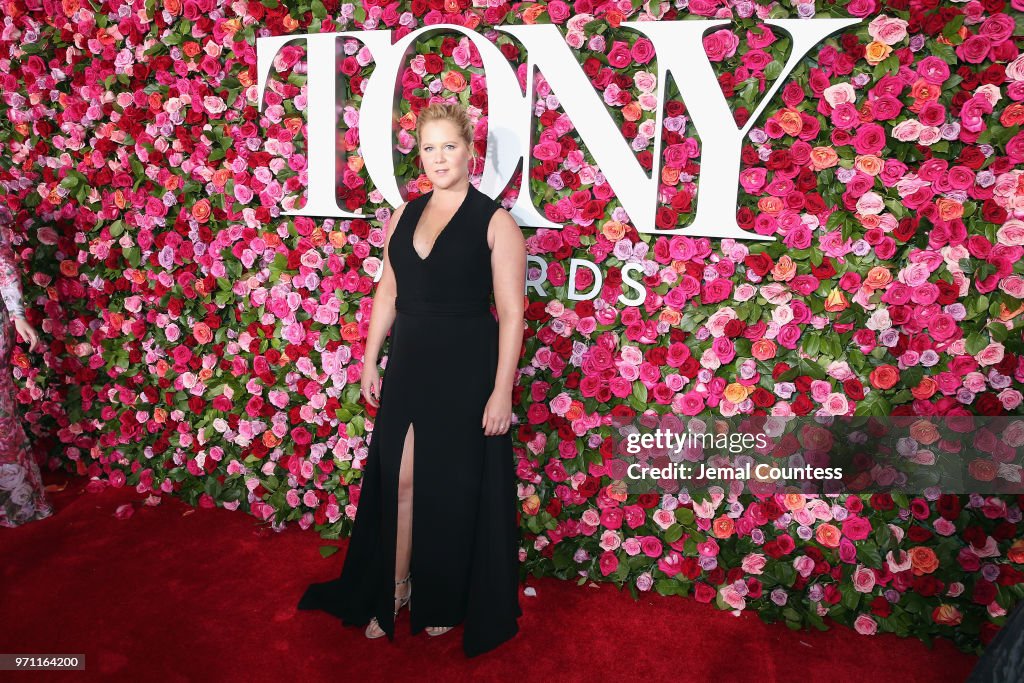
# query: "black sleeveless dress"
440,373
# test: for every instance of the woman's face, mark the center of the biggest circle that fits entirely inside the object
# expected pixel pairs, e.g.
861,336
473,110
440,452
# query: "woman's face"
443,153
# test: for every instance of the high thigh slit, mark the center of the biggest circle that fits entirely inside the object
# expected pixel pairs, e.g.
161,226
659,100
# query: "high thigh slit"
464,557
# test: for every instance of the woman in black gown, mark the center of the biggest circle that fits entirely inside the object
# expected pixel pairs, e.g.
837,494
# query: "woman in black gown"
446,397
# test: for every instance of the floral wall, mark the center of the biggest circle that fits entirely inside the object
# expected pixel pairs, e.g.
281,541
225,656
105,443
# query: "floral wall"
200,344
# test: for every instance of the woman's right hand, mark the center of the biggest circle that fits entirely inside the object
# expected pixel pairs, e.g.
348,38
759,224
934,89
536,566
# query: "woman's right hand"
370,384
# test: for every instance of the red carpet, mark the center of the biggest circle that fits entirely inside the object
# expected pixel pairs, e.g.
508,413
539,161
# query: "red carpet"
173,593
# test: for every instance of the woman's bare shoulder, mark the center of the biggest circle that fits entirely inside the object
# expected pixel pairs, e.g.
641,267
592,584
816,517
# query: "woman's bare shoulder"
503,225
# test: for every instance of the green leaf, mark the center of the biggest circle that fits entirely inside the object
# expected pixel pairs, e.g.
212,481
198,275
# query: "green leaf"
328,550
975,343
684,516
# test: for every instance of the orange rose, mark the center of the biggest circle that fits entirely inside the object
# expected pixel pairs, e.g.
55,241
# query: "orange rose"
947,615
925,389
723,527
617,490
949,209
613,230
823,157
878,277
923,560
575,411
221,177
337,239
423,184
836,301
1016,551
884,377
876,52
794,501
232,25
350,331
289,22
454,81
1012,116
202,333
924,432
763,349
790,122
532,12
159,415
408,122
201,210
869,221
771,205
670,176
69,6
923,91
736,393
355,163
983,470
68,268
632,111
270,439
531,505
785,269
670,317
828,535
868,163
172,7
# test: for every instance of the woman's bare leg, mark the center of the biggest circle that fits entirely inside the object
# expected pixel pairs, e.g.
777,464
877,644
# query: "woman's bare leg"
403,547
403,540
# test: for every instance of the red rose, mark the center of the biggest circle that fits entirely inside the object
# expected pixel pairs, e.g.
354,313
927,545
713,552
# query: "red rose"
881,607
881,501
984,592
703,592
884,377
854,389
760,264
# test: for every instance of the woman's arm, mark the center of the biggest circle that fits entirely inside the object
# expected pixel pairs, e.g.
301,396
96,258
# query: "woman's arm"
508,268
10,280
382,315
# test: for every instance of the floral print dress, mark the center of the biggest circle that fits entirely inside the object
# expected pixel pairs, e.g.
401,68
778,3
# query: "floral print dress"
22,497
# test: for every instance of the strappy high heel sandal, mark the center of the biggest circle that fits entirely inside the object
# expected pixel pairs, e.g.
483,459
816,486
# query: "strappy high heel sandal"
373,630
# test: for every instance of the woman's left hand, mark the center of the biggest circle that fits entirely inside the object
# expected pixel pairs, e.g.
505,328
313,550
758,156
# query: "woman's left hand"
27,332
498,413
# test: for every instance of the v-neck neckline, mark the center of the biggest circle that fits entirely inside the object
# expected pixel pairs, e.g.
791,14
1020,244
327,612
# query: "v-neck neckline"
412,239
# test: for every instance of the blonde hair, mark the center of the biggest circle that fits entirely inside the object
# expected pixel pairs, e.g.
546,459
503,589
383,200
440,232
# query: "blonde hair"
454,113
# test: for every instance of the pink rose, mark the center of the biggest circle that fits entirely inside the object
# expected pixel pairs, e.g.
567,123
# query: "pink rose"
863,579
643,51
619,56
865,625
991,354
721,45
887,29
